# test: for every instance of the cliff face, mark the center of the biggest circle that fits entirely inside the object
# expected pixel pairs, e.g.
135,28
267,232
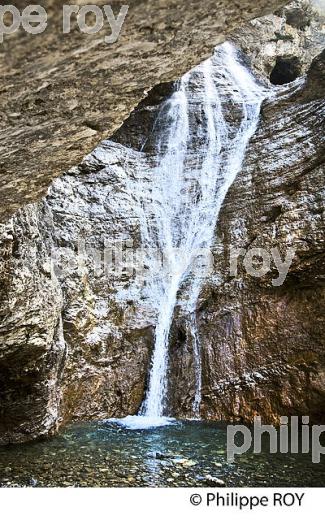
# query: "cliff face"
32,349
71,347
263,344
287,41
61,94
76,343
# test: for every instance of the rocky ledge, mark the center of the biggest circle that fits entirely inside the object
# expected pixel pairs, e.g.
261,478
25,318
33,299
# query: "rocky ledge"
61,94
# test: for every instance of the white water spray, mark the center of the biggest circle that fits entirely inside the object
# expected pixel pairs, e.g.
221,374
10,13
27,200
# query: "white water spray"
209,121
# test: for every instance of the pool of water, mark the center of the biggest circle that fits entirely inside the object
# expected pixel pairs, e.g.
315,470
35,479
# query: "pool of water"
188,453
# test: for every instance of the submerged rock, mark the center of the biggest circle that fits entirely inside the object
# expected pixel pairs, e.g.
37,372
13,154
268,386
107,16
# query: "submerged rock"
186,463
210,481
163,456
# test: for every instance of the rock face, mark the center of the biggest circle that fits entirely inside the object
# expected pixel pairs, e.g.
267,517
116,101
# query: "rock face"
76,341
263,345
287,41
61,94
91,218
32,349
59,306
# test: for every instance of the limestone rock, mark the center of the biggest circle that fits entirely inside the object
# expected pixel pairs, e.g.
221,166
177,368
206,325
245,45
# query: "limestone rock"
266,343
282,46
32,348
61,94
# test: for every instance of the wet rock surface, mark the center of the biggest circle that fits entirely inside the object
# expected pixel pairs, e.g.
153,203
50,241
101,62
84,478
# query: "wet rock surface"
66,337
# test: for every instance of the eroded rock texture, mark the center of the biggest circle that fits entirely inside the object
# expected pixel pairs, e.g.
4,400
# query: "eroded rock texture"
76,342
281,46
32,349
263,345
61,94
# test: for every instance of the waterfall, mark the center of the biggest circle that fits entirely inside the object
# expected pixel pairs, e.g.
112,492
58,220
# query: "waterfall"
203,130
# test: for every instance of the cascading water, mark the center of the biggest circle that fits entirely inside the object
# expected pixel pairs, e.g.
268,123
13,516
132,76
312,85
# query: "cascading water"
204,129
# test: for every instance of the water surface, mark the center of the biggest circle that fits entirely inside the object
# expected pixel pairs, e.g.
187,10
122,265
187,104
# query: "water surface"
181,454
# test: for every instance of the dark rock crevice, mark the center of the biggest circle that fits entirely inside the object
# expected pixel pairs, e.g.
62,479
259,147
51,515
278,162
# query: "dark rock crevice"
285,70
